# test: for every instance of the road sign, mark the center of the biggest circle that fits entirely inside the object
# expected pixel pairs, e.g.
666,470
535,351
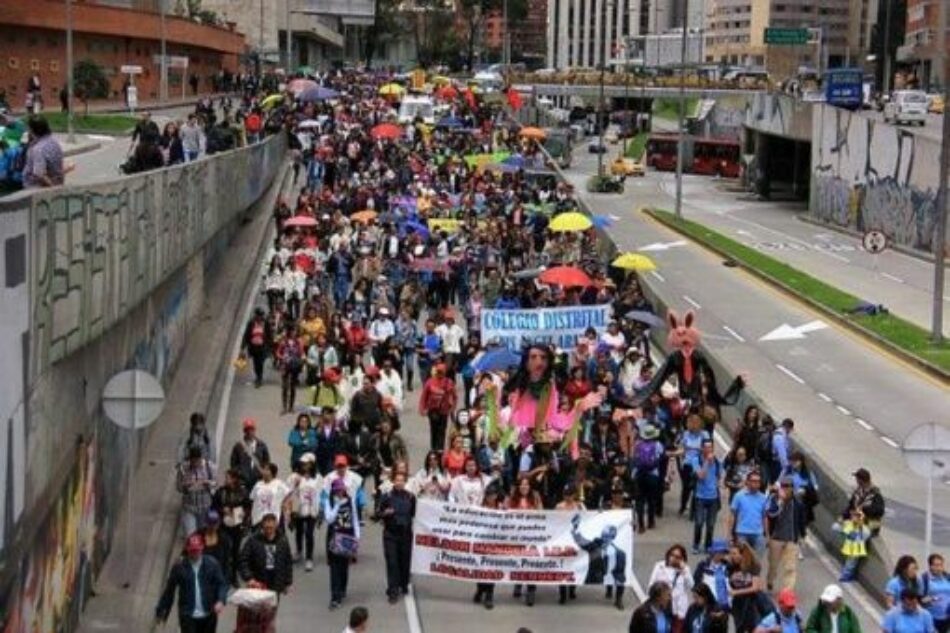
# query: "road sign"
171,61
874,241
927,452
133,399
844,87
130,69
786,37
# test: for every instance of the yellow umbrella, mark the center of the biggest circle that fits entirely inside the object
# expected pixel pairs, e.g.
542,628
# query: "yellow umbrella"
534,133
571,221
441,80
391,90
271,101
634,261
364,216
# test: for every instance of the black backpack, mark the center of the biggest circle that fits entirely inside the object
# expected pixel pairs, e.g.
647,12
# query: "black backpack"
763,445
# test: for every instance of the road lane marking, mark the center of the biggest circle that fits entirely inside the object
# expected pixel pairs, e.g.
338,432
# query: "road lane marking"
889,441
657,275
824,396
788,372
864,425
734,334
412,611
691,302
842,409
892,277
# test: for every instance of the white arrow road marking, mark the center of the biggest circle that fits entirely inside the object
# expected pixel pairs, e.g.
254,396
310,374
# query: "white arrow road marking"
786,332
662,246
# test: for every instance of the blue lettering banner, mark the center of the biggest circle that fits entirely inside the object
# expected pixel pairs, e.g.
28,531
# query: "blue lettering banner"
561,326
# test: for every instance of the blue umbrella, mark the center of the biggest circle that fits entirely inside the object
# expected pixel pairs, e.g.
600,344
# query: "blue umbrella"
417,227
515,160
647,318
601,221
450,123
318,94
497,359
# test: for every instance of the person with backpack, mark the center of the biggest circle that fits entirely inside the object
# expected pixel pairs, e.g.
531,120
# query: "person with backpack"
781,450
867,498
195,481
832,615
707,500
197,436
763,448
647,456
785,619
787,521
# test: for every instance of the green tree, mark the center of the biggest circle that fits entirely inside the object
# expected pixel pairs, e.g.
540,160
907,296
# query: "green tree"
474,13
89,82
385,28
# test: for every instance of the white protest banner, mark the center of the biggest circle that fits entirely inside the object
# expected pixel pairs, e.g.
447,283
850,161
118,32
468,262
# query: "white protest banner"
543,547
560,326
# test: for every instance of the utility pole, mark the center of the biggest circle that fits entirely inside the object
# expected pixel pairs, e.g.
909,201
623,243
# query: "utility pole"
71,136
163,78
940,234
886,79
287,37
600,120
681,141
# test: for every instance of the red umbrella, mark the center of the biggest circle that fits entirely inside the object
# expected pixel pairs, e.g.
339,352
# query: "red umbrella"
387,130
447,92
565,276
300,220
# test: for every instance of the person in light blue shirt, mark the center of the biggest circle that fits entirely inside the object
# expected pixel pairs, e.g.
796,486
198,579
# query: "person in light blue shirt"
747,520
690,451
781,449
935,592
908,616
706,502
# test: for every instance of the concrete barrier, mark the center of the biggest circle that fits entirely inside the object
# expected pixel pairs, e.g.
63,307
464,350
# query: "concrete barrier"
96,279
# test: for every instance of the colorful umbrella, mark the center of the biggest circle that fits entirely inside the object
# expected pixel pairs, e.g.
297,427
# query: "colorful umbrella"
441,80
450,123
534,133
517,160
392,90
429,264
565,276
387,130
300,221
317,93
571,221
366,216
298,86
634,261
647,318
271,101
447,93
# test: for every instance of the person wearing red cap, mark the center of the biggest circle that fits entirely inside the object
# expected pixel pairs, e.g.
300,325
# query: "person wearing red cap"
249,454
784,620
437,402
201,587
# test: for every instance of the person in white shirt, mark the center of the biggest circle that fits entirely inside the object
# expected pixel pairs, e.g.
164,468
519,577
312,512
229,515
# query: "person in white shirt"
306,486
389,384
674,571
615,340
468,489
451,334
380,329
269,496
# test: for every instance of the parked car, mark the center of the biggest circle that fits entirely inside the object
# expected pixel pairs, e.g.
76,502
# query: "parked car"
627,167
596,147
906,106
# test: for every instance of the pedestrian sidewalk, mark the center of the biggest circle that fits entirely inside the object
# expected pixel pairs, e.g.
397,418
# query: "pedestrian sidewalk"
105,107
82,144
127,588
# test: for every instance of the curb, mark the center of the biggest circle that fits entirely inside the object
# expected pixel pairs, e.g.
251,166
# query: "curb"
82,149
910,252
870,336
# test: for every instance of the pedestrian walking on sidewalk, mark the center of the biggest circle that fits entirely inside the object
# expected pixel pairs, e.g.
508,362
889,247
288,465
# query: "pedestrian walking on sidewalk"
201,587
258,339
196,482
397,510
266,558
343,538
305,489
249,454
786,522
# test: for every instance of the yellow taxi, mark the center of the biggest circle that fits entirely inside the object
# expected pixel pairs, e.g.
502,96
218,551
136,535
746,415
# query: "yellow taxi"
937,104
626,167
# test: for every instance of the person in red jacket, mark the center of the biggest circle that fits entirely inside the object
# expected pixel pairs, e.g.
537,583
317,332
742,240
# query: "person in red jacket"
437,402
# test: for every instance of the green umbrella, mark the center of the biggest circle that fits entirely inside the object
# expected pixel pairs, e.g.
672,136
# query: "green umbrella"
305,70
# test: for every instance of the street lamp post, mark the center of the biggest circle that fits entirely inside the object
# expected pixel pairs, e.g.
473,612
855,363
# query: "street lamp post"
163,78
600,121
681,141
940,234
71,136
287,38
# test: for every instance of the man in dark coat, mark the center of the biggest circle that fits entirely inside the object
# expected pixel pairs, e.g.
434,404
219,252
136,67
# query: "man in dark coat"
266,558
197,610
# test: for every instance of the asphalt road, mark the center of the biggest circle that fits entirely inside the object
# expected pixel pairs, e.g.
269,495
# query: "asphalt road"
852,403
931,128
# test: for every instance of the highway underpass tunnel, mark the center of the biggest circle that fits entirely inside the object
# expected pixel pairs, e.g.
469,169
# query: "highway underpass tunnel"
781,166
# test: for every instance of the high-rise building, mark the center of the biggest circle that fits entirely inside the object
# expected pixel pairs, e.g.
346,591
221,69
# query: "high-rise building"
923,39
840,33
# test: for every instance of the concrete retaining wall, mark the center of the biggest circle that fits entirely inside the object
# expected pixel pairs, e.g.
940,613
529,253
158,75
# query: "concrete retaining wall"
95,280
871,175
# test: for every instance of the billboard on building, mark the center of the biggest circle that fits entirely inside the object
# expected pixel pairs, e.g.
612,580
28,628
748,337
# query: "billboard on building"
358,12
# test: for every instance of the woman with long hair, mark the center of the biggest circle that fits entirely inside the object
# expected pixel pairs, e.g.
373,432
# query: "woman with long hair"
674,571
524,497
430,482
746,587
905,577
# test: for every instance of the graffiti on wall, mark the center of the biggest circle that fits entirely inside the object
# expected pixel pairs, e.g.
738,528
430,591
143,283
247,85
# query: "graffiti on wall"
780,115
93,280
868,175
59,565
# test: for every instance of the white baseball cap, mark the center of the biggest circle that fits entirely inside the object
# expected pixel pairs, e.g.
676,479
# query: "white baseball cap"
831,594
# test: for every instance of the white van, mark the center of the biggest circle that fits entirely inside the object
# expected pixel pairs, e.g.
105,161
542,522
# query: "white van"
906,106
413,106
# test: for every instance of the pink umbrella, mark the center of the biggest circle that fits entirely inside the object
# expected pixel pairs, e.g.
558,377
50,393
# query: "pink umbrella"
300,221
297,86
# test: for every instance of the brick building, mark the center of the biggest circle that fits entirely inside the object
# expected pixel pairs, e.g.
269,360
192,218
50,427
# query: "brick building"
923,38
33,36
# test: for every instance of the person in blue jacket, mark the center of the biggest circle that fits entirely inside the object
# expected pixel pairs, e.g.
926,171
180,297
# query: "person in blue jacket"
202,590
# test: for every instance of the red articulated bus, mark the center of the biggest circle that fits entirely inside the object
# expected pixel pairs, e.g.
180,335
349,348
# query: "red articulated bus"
705,156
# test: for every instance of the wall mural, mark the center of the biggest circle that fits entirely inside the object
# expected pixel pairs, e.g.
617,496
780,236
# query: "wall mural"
868,175
93,280
780,115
